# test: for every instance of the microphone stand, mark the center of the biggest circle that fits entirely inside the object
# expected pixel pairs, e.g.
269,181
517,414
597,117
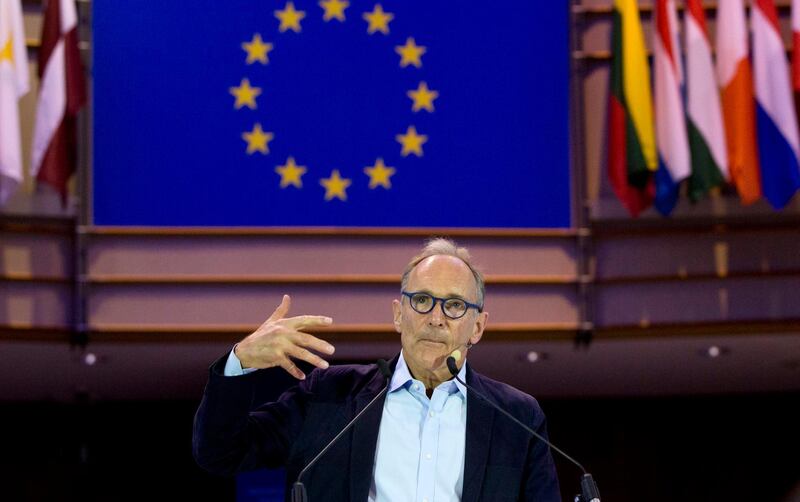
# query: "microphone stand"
589,491
298,488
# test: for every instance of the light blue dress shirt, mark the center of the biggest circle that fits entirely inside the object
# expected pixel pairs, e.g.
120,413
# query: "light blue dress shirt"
233,366
420,451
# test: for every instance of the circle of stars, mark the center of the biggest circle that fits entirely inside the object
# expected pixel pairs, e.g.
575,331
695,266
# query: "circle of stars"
257,139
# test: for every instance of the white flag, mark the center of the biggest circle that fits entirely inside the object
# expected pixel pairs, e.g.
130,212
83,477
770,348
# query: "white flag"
13,85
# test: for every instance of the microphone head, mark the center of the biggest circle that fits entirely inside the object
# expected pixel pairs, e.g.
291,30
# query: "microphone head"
456,354
589,488
384,368
451,365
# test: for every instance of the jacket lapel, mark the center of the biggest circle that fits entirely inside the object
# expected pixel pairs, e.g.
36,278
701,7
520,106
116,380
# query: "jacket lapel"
480,417
365,435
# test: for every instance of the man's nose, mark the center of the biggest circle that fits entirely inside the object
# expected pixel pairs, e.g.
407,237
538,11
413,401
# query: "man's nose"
436,317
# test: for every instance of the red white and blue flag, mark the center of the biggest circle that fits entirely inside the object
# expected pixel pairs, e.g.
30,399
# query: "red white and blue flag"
796,54
670,116
778,143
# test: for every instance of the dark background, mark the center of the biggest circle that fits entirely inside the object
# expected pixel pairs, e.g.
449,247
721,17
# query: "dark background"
704,448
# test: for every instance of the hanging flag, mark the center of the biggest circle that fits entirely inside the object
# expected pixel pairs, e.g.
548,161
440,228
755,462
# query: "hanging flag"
775,114
632,149
670,117
62,93
796,54
706,129
13,85
738,105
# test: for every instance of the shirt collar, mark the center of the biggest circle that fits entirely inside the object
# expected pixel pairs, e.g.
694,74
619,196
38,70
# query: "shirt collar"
402,376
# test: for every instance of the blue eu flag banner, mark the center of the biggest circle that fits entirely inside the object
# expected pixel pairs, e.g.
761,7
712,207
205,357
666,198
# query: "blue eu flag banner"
400,113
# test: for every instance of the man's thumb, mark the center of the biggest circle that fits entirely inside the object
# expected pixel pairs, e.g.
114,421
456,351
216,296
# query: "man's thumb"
282,309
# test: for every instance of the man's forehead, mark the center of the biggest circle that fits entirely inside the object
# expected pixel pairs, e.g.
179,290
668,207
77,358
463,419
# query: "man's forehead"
443,275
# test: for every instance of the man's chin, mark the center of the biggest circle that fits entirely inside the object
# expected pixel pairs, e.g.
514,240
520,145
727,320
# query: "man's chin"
432,355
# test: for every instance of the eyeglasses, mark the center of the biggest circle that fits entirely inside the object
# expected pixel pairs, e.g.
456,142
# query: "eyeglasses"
452,308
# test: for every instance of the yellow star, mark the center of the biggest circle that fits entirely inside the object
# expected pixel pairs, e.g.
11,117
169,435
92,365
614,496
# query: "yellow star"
378,20
245,95
334,9
291,173
257,50
290,18
6,53
411,53
335,186
423,98
257,140
412,142
379,174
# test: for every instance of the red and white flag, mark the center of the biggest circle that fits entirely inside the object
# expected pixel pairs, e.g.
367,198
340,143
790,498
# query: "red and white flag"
796,53
62,93
13,85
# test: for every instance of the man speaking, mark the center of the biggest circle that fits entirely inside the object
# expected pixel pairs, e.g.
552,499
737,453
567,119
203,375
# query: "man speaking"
427,439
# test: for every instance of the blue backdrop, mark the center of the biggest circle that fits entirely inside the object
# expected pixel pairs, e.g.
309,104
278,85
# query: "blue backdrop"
174,145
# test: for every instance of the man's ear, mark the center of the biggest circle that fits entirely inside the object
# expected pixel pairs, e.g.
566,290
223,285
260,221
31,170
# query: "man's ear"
397,314
477,330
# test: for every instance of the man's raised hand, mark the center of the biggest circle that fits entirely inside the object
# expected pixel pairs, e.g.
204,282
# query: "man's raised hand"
280,339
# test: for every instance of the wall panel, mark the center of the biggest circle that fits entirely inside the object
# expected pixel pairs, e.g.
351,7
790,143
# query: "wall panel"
681,255
36,278
151,256
236,305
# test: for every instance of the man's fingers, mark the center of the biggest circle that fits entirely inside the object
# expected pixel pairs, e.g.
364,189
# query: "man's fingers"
312,342
282,309
302,322
292,368
308,356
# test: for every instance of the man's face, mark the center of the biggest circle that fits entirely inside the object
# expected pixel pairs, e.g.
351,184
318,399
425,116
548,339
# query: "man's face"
428,339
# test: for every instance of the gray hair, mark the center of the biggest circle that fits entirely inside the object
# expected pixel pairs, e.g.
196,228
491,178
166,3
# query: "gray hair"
442,246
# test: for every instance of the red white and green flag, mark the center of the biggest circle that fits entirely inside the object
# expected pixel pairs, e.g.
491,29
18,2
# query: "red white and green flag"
706,128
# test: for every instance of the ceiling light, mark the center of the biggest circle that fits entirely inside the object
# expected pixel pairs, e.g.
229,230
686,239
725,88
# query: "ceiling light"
714,351
533,356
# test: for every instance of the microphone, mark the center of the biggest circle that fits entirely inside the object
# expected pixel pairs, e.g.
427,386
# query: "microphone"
589,491
298,488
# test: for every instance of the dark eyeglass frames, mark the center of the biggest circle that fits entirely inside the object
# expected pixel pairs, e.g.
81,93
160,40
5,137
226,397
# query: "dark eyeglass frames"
452,308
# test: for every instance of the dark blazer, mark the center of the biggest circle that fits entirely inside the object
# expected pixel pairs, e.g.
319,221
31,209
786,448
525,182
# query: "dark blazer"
233,434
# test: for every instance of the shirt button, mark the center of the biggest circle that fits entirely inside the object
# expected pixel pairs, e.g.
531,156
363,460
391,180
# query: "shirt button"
432,413
428,456
425,499
416,387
